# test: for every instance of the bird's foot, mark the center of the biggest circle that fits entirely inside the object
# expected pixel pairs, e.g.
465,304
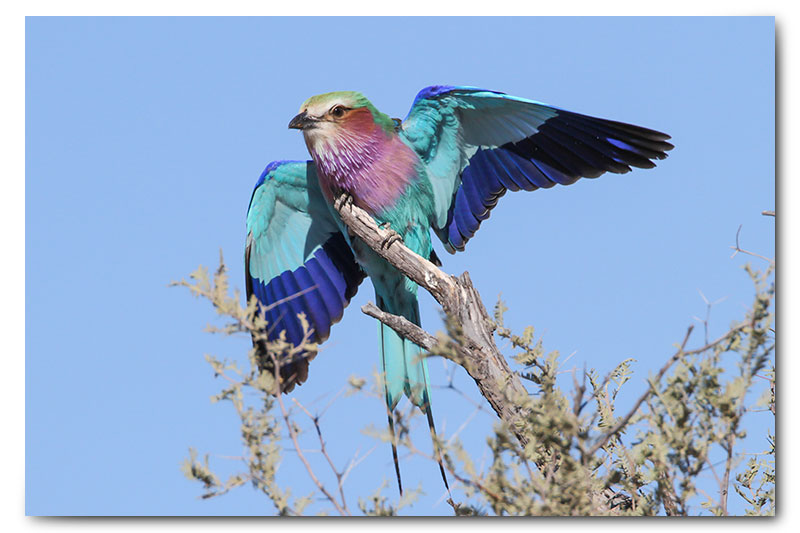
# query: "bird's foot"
390,239
344,200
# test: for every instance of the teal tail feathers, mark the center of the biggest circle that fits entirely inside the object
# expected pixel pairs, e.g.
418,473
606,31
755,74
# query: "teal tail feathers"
405,370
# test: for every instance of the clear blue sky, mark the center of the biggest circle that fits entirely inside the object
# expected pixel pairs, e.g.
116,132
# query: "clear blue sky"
144,138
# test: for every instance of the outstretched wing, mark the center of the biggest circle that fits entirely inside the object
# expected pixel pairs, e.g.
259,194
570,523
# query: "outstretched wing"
478,144
296,259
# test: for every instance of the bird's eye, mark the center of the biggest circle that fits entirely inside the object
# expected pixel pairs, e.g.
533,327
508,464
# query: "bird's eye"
337,111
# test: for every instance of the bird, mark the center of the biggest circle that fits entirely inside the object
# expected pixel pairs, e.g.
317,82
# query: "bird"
439,171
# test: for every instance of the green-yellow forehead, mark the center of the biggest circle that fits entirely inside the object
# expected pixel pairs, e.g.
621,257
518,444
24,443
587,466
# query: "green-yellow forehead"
322,102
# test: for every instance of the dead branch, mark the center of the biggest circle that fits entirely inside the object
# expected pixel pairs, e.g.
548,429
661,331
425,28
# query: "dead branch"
402,325
462,304
477,352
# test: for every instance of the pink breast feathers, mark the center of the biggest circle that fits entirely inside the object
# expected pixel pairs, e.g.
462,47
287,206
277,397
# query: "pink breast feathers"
362,158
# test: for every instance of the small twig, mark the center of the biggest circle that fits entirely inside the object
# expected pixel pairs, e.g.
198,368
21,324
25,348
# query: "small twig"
461,479
726,477
355,461
600,388
713,470
264,484
324,452
461,393
736,249
298,449
463,425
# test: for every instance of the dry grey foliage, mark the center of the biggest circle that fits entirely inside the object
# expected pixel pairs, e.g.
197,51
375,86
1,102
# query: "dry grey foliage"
555,450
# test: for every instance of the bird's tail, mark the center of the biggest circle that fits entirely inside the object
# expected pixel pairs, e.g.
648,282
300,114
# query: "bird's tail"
405,370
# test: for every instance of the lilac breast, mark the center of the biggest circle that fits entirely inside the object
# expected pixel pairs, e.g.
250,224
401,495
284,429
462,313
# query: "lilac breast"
375,169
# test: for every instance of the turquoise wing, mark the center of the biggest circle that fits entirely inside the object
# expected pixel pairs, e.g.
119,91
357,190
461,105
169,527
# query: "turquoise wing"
478,144
296,259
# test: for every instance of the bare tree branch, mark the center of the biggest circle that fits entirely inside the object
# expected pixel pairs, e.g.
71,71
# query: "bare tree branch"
460,301
402,325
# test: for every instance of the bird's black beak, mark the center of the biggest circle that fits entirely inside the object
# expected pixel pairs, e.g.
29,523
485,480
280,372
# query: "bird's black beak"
301,121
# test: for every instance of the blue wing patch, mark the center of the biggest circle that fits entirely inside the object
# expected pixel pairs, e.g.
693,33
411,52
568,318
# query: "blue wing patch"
321,288
297,260
484,143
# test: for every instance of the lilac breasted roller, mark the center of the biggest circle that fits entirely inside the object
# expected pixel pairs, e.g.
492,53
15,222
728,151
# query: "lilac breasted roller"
443,168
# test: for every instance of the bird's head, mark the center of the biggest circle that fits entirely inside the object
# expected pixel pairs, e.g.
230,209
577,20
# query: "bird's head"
327,120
